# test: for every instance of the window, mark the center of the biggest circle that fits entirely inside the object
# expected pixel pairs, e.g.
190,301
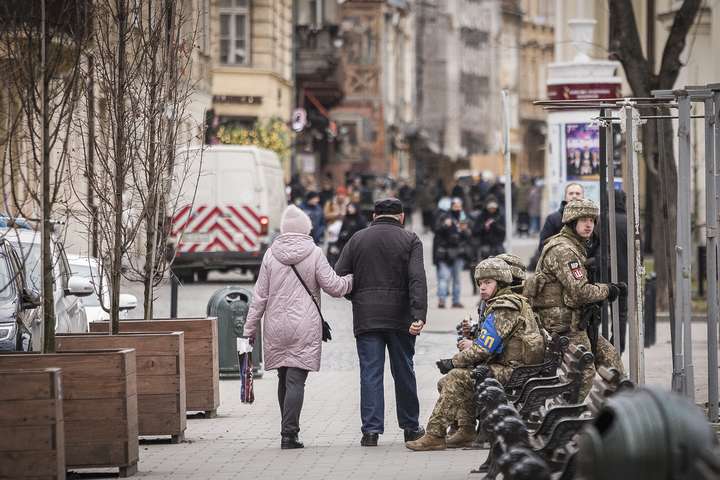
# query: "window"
234,32
473,87
472,37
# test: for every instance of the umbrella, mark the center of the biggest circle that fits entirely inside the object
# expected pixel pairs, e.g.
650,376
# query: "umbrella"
247,395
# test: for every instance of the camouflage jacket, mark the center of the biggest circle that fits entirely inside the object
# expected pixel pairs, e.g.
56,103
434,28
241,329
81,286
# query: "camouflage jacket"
509,334
560,287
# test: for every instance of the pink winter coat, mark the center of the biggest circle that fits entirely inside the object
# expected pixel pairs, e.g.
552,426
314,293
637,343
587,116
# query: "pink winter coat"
292,332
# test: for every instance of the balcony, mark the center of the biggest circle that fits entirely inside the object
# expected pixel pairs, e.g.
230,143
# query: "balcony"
317,64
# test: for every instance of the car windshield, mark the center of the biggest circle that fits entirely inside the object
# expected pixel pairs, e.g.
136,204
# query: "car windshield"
88,272
30,255
7,291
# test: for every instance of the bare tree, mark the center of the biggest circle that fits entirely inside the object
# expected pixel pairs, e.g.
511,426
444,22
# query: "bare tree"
168,38
141,69
41,42
626,47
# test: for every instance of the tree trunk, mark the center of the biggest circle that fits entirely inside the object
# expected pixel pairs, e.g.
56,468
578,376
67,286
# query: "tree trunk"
47,259
120,166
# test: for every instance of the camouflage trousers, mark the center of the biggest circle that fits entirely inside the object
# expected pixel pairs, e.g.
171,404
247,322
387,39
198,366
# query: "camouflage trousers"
605,356
456,404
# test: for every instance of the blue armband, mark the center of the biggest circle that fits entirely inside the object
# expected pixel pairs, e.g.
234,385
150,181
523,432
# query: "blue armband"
489,339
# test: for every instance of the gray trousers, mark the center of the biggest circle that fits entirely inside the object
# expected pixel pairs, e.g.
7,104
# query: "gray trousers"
291,392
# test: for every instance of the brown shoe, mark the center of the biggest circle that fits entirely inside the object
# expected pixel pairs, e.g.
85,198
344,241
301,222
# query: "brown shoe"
462,438
426,443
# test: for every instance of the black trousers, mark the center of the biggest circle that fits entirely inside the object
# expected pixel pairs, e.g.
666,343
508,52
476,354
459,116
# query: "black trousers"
291,392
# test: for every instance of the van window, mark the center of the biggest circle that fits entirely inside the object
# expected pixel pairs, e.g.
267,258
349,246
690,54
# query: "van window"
237,179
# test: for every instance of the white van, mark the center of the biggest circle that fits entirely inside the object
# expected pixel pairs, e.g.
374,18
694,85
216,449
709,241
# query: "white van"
235,212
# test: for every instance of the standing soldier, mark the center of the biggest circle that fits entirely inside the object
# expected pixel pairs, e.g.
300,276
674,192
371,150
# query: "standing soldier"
509,337
560,288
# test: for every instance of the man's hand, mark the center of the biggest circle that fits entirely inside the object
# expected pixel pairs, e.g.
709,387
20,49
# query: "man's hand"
445,365
416,327
464,344
448,222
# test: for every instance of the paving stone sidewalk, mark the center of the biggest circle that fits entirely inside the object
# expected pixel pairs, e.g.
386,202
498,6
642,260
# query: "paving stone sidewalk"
244,441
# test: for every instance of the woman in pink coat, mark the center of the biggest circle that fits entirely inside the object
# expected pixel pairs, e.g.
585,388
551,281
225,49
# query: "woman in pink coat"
292,332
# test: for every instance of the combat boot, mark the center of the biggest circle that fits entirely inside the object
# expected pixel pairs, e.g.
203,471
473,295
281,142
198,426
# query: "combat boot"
464,437
427,442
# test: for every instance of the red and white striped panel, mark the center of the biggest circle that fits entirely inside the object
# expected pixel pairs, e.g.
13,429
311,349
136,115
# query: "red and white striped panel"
222,228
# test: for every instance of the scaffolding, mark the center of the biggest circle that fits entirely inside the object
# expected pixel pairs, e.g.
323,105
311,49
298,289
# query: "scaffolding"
630,113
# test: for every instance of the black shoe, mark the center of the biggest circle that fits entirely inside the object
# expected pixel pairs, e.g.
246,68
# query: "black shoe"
369,439
290,441
411,435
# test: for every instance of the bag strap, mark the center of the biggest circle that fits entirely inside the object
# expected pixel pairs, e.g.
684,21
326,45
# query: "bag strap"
308,291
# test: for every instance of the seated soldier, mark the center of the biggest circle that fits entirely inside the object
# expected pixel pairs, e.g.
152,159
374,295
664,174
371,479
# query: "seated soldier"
509,337
518,270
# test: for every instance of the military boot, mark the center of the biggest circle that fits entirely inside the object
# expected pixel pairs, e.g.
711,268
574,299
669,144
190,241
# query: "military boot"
464,437
427,442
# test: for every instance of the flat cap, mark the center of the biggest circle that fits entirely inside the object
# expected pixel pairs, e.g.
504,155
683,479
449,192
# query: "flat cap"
388,206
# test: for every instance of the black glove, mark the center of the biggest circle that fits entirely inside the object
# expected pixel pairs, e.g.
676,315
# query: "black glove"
445,365
616,290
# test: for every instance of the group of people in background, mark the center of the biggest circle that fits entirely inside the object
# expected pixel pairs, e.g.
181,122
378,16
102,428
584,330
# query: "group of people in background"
467,220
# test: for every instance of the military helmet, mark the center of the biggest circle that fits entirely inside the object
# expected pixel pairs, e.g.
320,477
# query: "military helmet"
517,267
495,269
583,208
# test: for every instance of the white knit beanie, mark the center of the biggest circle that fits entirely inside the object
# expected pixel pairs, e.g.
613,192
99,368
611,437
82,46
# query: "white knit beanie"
295,220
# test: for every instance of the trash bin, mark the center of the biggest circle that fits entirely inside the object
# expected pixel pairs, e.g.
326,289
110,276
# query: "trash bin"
650,317
231,305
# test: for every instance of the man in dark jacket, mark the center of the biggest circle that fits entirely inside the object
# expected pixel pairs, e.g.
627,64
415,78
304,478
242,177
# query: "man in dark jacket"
451,245
314,210
553,222
389,300
489,229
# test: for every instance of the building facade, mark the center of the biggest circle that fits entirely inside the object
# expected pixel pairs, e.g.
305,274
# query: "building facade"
467,53
377,110
318,86
252,78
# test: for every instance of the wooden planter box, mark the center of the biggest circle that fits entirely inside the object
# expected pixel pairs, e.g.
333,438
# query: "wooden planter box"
202,371
160,359
32,444
99,405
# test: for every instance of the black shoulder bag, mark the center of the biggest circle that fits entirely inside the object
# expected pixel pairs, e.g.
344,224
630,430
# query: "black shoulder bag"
326,330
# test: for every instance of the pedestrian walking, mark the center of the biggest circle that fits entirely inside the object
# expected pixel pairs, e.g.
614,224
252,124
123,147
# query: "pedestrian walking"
535,201
389,303
353,222
489,229
292,325
314,210
452,243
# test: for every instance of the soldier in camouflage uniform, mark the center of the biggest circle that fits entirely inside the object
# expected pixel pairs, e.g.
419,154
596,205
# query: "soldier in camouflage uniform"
561,288
518,269
509,337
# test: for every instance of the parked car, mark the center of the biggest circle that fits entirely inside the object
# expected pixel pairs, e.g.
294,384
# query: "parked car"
95,305
229,221
69,314
18,302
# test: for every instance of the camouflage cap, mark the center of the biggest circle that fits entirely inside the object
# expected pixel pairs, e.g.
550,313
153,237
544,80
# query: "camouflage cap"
495,269
583,208
517,267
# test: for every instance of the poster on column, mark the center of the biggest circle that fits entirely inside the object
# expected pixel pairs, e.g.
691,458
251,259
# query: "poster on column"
582,152
582,157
